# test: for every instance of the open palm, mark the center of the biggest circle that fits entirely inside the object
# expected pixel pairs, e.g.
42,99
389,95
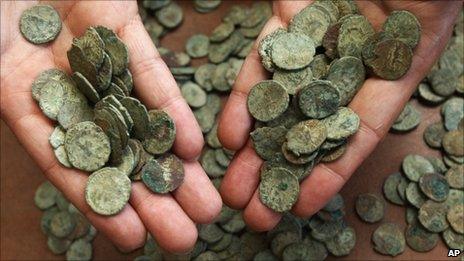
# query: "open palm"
170,218
377,103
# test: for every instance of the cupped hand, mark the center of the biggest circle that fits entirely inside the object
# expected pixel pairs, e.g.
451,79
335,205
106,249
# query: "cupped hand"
378,103
170,218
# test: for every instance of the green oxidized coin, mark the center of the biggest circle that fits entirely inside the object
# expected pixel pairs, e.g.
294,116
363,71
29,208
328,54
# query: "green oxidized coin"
342,243
235,224
163,174
58,245
44,77
62,224
442,82
115,48
139,114
455,177
197,46
45,195
92,46
318,99
212,139
401,188
432,216
79,63
222,32
389,239
46,219
107,191
203,76
235,15
87,146
308,249
210,233
40,24
426,93
414,166
453,143
219,52
370,207
160,134
408,120
404,26
62,156
268,141
210,165
323,230
455,217
433,134
279,189
267,100
298,159
342,124
434,186
52,96
346,7
79,250
319,66
414,195
193,94
335,203
218,78
205,117
264,48
354,31
203,6
452,112
222,244
419,239
347,75
282,240
170,16
293,80
86,87
128,163
390,188
311,21
453,240
334,153
292,51
411,215
306,137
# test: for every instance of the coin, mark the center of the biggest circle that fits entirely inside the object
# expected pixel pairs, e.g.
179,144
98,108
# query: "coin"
44,78
453,240
453,143
414,195
267,141
279,189
432,216
197,46
311,21
388,239
79,250
342,243
434,186
264,48
107,191
58,245
282,240
222,32
45,194
427,94
91,137
86,87
293,80
419,239
335,203
292,51
347,75
318,99
455,177
163,174
455,217
62,224
40,24
306,137
390,190
342,124
411,118
452,112
308,249
334,154
415,166
404,26
324,230
210,165
160,134
267,100
170,15
353,32
433,134
370,207
210,233
115,48
193,94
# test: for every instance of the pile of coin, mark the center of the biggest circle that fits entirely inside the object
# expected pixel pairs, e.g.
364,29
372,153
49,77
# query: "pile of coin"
67,230
101,129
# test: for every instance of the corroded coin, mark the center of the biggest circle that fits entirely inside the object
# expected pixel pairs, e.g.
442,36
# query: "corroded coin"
163,174
282,240
452,112
433,134
389,239
432,216
139,114
311,21
86,87
115,48
409,119
197,46
455,177
347,75
415,166
370,207
298,159
170,16
79,250
267,100
324,230
267,141
62,224
419,239
308,249
210,233
342,243
428,95
292,51
453,143
306,137
222,32
40,24
87,146
455,217
279,189
107,191
92,47
264,48
354,31
414,195
334,154
318,99
62,156
404,26
342,124
160,134
390,188
45,195
193,94
453,240
434,186
44,77
293,80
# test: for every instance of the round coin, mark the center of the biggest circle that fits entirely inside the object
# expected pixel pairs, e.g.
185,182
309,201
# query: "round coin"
40,24
432,215
267,100
342,124
453,240
342,243
45,195
415,166
390,188
455,176
107,191
160,134
87,146
389,239
62,224
404,26
306,137
455,217
453,143
197,46
279,189
164,174
370,207
433,134
292,51
318,99
435,186
419,239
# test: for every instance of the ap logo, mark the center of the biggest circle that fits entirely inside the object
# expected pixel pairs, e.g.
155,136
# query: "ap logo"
454,252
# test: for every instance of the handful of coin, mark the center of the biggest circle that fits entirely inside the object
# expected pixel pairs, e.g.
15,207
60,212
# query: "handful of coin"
318,66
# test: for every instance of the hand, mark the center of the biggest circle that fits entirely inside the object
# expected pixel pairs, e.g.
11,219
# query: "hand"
378,103
170,218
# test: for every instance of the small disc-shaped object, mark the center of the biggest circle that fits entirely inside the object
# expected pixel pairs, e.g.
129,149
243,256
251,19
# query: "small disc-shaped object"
279,189
107,191
435,186
419,239
164,174
370,207
455,217
306,137
389,239
318,99
432,215
292,51
344,123
415,166
40,24
267,100
404,26
161,132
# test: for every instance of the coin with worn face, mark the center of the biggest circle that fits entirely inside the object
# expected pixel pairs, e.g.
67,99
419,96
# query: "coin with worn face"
306,137
404,26
163,174
435,186
267,100
388,239
455,217
390,188
318,99
161,132
344,123
279,189
415,166
419,239
370,207
292,51
40,24
455,177
342,243
432,215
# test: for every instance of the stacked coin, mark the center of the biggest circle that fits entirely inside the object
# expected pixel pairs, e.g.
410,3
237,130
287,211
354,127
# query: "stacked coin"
67,230
101,128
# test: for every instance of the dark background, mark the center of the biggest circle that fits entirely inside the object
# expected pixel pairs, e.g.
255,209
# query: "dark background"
22,239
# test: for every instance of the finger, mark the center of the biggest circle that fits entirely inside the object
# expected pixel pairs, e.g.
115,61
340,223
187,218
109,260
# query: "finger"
125,229
259,217
235,121
172,229
197,196
326,180
157,88
242,178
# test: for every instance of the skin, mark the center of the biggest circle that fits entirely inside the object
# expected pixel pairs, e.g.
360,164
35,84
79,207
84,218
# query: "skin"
170,218
378,103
